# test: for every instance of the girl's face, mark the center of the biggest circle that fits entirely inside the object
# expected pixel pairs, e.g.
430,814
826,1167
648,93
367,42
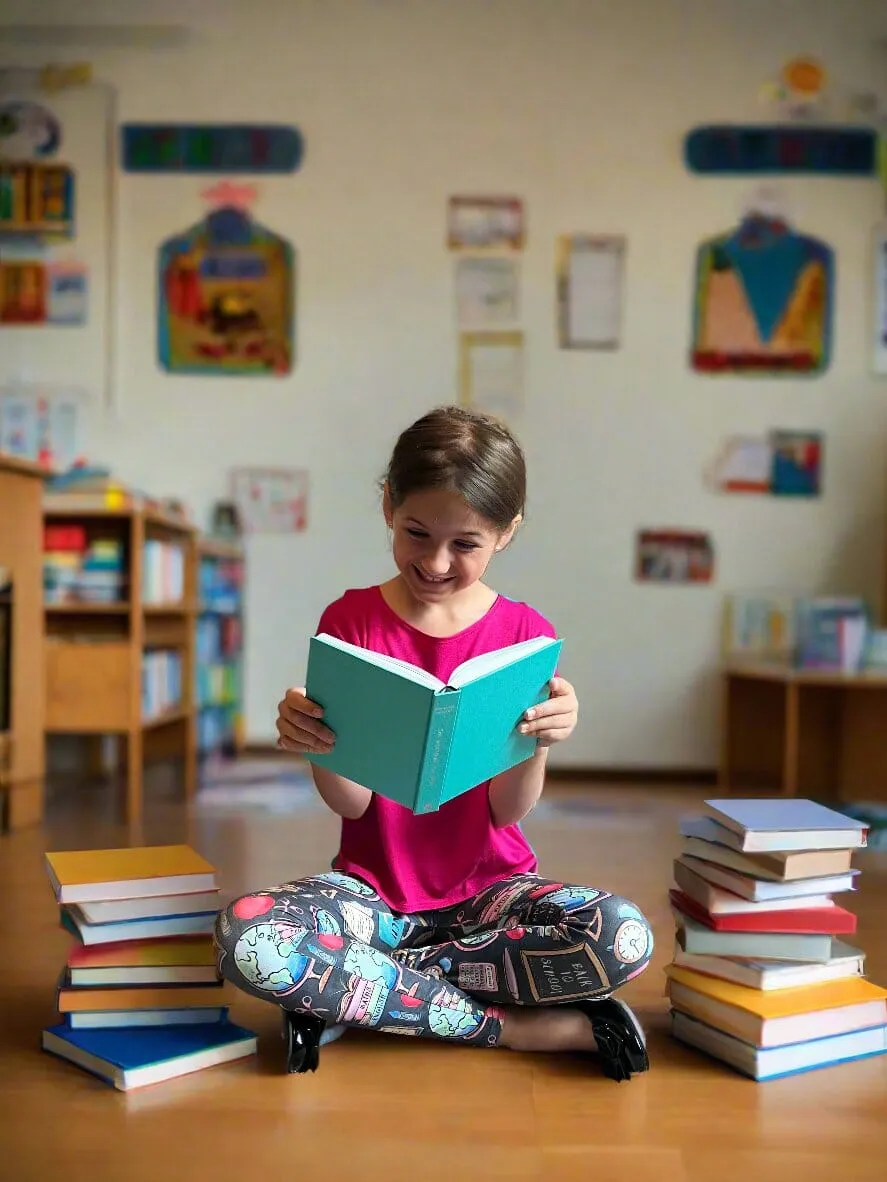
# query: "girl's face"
441,546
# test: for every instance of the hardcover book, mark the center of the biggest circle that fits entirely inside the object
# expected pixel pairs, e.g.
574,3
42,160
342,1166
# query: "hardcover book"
416,740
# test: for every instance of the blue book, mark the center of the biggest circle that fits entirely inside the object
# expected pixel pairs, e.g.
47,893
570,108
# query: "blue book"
134,1057
785,823
413,739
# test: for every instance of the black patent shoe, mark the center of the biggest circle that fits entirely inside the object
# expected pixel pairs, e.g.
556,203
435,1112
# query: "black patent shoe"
302,1033
622,1046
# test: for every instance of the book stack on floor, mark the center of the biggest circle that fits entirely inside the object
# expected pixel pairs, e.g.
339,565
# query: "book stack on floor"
765,975
140,999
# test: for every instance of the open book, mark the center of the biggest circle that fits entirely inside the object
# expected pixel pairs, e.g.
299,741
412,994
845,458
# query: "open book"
411,738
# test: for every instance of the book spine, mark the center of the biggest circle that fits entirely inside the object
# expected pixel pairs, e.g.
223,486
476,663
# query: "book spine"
441,726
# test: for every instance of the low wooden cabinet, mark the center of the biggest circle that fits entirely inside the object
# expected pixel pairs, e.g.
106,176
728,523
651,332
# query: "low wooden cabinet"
804,733
22,760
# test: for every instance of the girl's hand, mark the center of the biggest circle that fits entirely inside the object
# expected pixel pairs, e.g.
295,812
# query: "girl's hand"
299,725
554,720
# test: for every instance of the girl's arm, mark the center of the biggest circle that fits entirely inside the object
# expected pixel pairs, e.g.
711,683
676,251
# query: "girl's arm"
344,797
515,792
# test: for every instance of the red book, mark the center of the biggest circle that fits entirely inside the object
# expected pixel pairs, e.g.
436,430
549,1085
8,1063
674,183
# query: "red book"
824,921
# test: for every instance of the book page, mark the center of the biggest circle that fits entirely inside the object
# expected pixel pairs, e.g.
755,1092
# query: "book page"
480,666
393,664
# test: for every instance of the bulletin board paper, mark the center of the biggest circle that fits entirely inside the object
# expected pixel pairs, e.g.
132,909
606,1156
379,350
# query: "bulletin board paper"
492,373
486,291
590,278
485,223
271,500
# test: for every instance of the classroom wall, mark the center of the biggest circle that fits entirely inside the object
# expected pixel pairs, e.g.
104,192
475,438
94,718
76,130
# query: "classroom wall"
580,108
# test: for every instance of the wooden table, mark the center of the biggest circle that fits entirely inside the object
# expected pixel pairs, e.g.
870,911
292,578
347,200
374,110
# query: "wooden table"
803,732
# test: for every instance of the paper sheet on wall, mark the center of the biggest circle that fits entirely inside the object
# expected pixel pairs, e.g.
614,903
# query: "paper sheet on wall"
486,292
591,279
495,377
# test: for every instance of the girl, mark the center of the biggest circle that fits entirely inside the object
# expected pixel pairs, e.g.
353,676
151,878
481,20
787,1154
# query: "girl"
439,925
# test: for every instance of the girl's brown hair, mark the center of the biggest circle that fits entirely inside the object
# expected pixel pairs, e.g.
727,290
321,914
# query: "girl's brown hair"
466,452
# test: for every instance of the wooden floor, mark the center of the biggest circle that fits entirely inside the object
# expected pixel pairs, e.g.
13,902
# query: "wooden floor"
382,1107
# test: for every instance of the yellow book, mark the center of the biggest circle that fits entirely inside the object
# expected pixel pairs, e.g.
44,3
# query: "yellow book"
139,872
783,1018
784,1003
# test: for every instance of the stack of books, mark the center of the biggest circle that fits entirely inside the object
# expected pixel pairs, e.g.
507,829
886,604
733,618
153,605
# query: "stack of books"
763,977
140,999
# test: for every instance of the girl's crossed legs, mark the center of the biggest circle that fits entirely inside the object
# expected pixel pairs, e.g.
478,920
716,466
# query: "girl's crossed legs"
330,946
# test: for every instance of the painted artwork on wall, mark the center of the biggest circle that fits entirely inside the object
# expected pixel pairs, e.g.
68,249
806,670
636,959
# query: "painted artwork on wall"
271,500
763,301
673,556
226,297
783,463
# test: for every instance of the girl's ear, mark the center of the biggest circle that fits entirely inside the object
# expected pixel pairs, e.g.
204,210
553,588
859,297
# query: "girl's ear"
386,505
505,539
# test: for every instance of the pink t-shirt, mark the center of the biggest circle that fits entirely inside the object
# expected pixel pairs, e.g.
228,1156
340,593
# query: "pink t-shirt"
437,859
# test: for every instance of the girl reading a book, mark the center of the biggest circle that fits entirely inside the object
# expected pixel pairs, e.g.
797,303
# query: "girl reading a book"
439,925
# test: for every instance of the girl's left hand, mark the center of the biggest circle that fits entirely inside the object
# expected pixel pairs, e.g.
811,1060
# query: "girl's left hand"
554,720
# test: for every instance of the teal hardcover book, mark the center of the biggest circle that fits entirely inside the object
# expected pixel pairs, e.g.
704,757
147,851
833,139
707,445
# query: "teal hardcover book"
413,739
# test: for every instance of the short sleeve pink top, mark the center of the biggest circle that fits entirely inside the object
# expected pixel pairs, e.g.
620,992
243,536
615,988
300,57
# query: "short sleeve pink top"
438,859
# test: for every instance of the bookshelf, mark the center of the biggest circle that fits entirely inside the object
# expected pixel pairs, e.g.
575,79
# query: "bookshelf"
219,647
120,589
21,644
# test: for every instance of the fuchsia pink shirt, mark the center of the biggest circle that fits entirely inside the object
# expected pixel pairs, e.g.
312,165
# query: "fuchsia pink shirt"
438,859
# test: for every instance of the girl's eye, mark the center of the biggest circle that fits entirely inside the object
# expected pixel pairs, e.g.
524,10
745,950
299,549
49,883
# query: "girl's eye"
465,545
416,533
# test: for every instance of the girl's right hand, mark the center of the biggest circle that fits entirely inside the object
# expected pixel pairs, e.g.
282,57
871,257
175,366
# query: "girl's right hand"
299,725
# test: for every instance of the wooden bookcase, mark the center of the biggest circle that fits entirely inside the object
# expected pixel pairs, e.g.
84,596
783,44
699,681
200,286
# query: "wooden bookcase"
21,733
219,647
106,660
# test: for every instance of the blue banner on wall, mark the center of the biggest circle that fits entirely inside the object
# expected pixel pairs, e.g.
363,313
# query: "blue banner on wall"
210,148
785,150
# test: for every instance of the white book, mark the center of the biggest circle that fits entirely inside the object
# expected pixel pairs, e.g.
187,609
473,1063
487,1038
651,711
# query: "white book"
770,975
758,891
773,1062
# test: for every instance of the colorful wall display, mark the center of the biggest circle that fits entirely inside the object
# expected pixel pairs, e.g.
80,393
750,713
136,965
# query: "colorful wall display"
226,297
782,463
36,198
271,500
479,223
763,301
211,148
790,149
673,556
28,131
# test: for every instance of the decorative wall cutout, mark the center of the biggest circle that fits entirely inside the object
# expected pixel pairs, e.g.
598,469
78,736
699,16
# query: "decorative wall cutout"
211,148
226,294
763,300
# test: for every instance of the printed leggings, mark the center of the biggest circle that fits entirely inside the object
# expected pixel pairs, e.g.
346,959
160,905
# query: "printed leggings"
328,944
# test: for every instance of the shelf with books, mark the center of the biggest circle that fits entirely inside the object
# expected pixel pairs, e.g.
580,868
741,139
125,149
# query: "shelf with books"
21,637
120,588
219,646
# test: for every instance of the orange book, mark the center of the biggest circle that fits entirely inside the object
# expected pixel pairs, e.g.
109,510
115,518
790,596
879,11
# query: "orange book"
144,997
197,950
782,1016
139,872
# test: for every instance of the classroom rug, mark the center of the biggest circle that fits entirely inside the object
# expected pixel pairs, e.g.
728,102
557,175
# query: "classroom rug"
256,785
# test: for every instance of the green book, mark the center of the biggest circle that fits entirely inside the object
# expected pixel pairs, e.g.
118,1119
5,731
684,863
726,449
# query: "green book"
413,739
